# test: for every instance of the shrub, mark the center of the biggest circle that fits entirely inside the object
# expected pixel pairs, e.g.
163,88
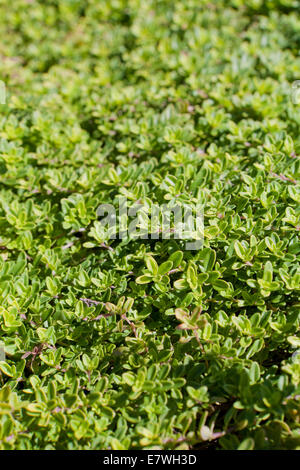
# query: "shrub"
134,343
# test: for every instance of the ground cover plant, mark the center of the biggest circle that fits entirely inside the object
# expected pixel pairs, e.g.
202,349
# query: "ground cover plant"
139,344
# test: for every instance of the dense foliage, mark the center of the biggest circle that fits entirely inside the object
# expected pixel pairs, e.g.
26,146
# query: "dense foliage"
152,100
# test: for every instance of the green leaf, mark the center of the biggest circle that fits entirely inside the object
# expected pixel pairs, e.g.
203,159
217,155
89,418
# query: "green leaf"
165,267
192,276
176,258
240,250
247,444
144,279
152,265
7,369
